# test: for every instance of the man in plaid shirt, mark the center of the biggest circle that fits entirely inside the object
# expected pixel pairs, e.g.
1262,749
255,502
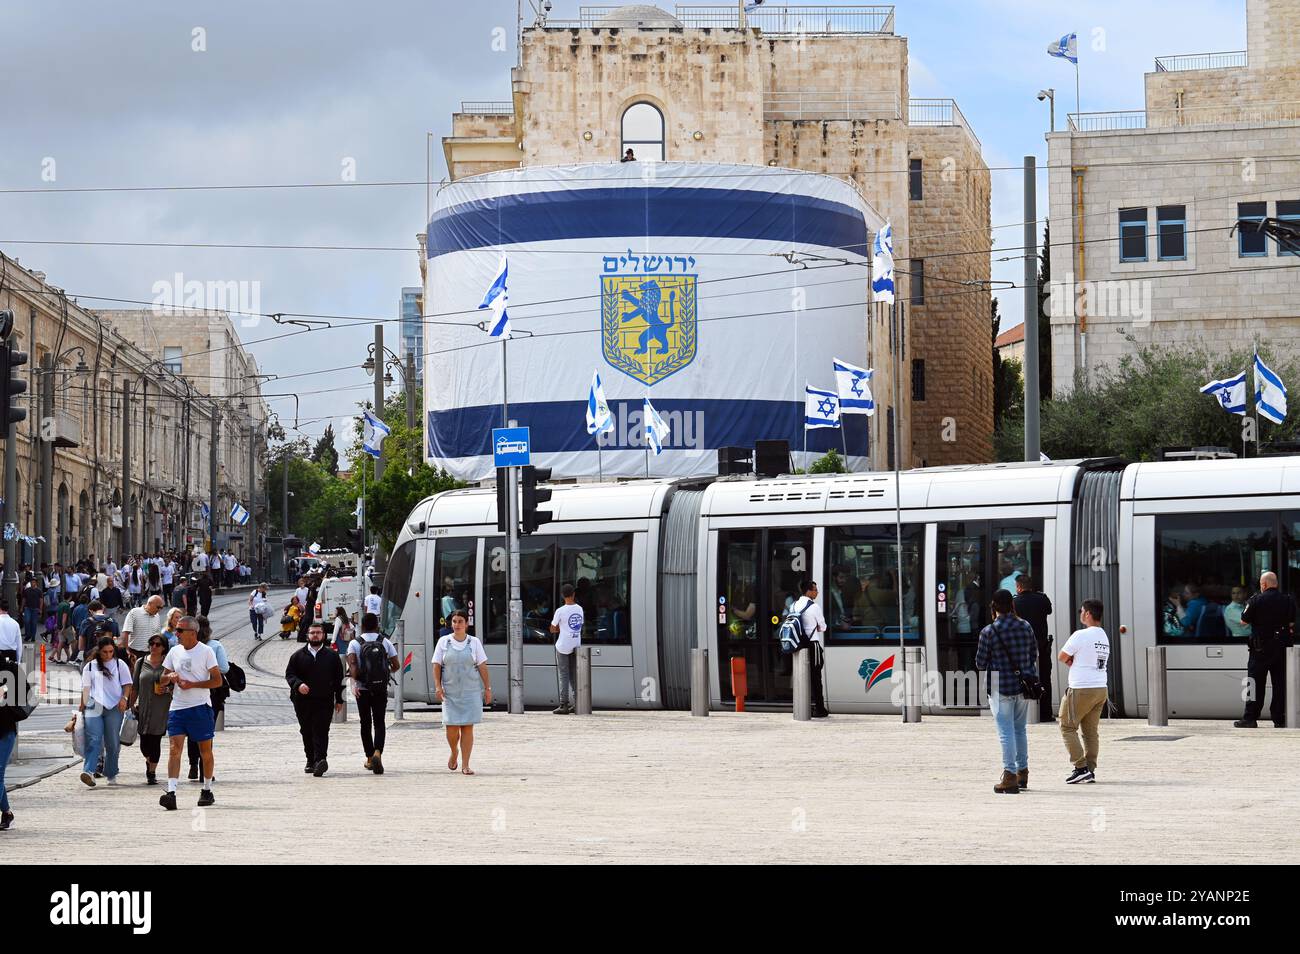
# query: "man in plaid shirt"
1007,644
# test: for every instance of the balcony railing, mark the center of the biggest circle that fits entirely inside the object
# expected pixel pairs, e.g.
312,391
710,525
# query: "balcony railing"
774,21
937,112
1200,61
1173,116
476,107
811,104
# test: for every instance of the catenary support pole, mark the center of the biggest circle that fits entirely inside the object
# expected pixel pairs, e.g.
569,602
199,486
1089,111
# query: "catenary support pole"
516,638
1032,446
380,562
399,700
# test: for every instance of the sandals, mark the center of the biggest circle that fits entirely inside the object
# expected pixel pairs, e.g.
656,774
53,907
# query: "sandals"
452,763
467,771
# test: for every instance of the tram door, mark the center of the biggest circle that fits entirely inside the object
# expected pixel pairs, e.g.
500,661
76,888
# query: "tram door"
975,559
758,578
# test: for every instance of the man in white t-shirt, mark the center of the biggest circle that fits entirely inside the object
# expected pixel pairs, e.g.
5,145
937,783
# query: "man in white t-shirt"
1086,652
567,627
190,666
11,634
201,562
229,563
167,576
370,692
374,602
141,623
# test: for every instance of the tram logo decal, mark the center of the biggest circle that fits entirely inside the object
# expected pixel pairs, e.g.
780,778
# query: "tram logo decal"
406,663
648,317
874,671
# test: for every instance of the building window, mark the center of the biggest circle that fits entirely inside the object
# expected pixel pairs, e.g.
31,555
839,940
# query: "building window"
643,132
1171,232
918,281
1251,242
918,379
914,180
1288,212
172,358
1132,235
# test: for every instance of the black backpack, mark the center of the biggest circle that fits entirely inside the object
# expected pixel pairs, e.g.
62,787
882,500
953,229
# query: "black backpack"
236,679
372,665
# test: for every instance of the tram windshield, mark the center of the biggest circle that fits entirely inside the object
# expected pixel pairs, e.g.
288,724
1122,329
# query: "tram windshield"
397,585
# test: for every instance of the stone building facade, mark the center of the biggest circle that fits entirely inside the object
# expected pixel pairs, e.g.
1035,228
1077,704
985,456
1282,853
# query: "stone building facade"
98,384
814,89
1146,199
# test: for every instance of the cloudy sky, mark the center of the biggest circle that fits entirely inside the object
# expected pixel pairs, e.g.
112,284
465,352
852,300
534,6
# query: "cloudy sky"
301,92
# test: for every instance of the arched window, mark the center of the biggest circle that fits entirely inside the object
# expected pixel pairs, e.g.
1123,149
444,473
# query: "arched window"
643,132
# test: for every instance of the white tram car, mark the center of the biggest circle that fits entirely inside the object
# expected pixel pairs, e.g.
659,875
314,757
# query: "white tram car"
663,566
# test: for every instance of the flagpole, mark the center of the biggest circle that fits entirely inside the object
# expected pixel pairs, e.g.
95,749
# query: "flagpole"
505,404
844,438
1078,105
898,508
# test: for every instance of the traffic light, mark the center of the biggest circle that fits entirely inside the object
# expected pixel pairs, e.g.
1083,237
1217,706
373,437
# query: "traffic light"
503,501
532,518
12,384
357,539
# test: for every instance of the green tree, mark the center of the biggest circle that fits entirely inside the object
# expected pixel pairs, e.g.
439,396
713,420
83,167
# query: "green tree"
1151,400
829,463
324,452
1044,316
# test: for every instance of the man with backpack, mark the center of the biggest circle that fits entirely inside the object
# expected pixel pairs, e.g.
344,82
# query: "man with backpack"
809,615
371,658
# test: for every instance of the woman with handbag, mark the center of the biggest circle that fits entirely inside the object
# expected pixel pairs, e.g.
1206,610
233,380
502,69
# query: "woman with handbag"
105,695
153,701
343,631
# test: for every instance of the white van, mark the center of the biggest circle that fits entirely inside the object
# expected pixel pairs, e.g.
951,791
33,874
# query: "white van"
336,591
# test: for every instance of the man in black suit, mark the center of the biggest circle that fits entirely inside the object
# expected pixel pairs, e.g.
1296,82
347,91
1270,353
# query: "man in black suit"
315,677
1034,607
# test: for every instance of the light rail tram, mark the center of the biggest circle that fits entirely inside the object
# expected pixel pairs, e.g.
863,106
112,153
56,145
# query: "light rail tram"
664,565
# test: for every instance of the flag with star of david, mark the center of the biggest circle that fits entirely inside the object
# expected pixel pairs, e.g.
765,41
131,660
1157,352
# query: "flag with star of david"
821,408
854,387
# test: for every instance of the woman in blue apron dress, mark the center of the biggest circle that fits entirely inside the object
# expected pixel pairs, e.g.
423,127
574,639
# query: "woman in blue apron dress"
460,675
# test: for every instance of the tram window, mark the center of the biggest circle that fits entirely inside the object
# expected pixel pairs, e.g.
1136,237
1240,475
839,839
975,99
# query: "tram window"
861,604
1018,551
1290,574
600,568
536,588
397,585
453,573
739,588
1208,565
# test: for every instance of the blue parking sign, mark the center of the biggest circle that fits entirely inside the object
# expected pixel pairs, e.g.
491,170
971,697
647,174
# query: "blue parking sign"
510,447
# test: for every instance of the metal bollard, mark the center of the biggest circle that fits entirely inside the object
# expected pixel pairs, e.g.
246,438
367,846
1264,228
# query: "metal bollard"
399,693
1292,687
29,657
342,714
583,706
1157,687
221,720
699,681
802,684
913,683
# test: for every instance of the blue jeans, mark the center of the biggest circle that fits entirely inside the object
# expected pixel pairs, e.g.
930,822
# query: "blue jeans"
103,733
32,619
1011,713
7,744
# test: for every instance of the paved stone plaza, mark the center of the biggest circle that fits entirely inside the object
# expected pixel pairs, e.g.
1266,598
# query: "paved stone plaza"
625,787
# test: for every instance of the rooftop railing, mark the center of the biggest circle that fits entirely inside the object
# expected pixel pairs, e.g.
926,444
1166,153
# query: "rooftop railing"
478,107
1173,116
937,112
774,20
812,104
1200,61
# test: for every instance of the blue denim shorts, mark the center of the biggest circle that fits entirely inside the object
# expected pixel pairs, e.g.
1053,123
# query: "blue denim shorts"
197,722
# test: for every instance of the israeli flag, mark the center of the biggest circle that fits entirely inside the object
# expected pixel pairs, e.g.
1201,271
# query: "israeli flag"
656,428
314,548
1230,392
1270,393
203,508
882,265
238,514
496,299
1067,48
599,418
821,408
373,433
854,387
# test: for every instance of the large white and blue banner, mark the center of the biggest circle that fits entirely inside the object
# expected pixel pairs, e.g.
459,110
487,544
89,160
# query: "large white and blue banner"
667,278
